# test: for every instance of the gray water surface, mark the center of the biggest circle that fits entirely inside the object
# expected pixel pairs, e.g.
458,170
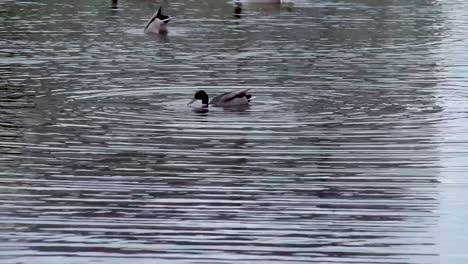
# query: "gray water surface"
355,150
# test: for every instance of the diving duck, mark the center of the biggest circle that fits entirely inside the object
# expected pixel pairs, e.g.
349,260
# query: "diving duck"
236,98
158,22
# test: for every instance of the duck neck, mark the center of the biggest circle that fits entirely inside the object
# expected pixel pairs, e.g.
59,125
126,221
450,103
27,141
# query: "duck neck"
205,101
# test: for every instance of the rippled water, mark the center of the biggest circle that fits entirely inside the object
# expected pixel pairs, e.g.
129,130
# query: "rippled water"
355,150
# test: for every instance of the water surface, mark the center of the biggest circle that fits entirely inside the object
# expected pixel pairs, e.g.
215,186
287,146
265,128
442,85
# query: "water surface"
355,150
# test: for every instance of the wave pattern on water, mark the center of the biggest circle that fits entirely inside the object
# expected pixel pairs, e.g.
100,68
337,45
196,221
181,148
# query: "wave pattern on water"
339,160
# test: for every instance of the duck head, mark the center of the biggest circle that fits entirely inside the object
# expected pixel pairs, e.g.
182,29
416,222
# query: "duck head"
200,95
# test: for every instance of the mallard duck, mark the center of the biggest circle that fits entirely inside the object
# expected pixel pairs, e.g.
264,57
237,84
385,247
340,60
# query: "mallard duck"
158,22
236,98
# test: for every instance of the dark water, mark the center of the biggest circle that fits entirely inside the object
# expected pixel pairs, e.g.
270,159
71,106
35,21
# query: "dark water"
355,150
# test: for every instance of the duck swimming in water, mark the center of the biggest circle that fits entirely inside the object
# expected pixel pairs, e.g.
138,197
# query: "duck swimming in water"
236,98
158,22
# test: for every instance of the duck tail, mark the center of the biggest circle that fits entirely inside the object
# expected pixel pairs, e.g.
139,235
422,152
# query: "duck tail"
247,95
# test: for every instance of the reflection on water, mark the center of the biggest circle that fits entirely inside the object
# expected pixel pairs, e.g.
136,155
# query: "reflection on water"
348,154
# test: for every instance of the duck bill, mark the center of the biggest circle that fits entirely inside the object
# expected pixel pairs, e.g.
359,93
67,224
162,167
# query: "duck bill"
191,102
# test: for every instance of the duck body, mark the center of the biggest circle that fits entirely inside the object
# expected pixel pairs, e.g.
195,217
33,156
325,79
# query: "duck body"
232,99
236,98
158,22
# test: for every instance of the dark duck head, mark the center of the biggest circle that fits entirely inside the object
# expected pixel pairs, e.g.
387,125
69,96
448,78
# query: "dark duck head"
200,95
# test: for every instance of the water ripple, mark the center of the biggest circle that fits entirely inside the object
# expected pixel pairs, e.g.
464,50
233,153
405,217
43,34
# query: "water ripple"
353,151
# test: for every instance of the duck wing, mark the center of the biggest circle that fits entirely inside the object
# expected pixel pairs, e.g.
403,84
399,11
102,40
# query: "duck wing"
232,98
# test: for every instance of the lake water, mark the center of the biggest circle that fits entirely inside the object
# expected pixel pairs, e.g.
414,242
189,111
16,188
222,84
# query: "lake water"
355,150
